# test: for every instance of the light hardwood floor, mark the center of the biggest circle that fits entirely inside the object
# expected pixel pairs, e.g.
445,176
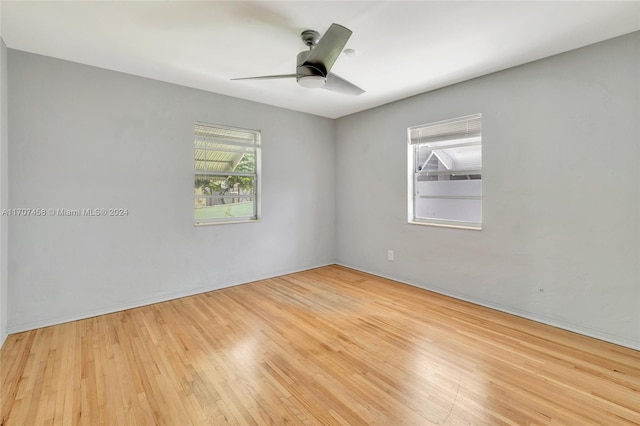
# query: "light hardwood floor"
326,346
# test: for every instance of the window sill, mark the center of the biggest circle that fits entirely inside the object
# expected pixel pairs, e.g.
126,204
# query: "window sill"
448,225
199,224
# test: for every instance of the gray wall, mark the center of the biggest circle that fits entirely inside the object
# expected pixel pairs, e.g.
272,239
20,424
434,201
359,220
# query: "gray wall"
561,185
4,185
83,137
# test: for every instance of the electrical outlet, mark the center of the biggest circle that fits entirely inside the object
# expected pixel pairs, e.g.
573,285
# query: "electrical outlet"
390,255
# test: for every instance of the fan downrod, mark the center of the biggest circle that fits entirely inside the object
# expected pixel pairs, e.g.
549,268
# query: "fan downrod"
310,38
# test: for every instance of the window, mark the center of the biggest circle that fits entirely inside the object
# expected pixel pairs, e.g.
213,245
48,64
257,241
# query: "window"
445,173
227,174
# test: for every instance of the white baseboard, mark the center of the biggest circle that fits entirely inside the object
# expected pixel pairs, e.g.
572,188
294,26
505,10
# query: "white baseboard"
596,334
46,322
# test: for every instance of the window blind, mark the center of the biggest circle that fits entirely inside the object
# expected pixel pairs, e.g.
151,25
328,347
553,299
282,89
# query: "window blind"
447,130
216,134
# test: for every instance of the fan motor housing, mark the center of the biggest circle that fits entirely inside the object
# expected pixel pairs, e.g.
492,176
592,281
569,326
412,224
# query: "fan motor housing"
305,68
308,75
302,56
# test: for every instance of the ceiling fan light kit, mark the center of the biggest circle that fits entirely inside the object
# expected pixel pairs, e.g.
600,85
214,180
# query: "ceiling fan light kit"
313,66
312,81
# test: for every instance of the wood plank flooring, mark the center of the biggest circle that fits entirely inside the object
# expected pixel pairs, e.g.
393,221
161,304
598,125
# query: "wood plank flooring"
326,346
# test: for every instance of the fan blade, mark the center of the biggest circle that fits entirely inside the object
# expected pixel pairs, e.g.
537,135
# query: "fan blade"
329,47
340,85
267,77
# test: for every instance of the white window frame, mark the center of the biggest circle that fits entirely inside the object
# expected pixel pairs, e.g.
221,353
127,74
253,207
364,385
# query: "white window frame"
244,140
455,132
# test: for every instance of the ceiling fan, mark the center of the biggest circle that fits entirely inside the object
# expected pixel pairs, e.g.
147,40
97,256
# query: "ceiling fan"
313,66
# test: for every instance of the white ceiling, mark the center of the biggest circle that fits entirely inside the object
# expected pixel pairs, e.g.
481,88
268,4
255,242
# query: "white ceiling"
405,48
